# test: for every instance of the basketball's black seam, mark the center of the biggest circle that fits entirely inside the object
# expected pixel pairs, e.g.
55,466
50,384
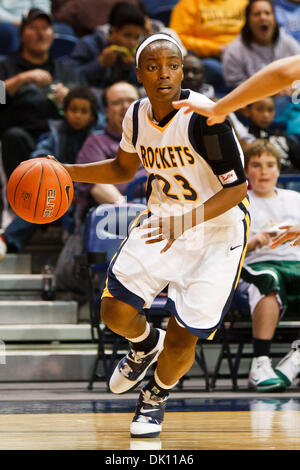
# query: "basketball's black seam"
38,193
34,164
59,186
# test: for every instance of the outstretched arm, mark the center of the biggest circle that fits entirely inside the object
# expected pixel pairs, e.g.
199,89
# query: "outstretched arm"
268,81
111,171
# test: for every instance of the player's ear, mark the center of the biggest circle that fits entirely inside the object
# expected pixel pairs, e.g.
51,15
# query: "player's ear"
139,75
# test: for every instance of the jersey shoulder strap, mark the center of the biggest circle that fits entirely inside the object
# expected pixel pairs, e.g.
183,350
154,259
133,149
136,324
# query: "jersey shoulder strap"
135,121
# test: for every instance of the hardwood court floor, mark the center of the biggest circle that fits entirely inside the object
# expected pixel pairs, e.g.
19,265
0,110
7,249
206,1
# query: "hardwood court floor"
99,421
260,430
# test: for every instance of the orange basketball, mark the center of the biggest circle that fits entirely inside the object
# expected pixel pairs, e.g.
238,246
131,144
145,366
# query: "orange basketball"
40,190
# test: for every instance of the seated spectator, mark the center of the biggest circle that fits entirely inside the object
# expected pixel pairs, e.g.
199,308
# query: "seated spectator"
273,275
65,141
106,60
261,115
152,26
206,28
84,16
36,85
116,100
287,14
11,14
193,71
260,42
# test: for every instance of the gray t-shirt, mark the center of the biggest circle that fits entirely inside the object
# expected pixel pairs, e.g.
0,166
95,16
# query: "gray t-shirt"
240,62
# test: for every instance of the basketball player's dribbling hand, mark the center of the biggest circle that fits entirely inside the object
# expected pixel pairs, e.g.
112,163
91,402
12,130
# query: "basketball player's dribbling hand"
51,157
202,105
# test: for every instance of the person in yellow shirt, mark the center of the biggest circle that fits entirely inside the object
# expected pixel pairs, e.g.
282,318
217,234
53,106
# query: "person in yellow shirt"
206,28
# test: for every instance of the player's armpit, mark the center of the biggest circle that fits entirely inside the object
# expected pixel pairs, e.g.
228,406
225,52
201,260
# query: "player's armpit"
127,163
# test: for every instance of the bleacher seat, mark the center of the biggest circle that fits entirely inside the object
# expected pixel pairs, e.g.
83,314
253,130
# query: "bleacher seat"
136,190
63,45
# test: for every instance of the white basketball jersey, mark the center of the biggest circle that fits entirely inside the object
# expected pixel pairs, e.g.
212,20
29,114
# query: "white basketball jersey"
178,176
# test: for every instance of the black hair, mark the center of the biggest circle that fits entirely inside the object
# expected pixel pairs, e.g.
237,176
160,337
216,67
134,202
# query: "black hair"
265,98
123,13
160,39
142,7
246,33
193,54
85,93
190,52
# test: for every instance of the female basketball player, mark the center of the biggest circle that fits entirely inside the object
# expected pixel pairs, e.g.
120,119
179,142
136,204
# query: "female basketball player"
193,239
273,78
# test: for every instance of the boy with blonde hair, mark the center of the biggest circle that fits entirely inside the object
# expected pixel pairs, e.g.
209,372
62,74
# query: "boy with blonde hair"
273,274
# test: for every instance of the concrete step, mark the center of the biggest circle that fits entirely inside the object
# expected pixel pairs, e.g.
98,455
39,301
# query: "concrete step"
21,282
74,362
21,286
16,264
38,311
50,332
69,364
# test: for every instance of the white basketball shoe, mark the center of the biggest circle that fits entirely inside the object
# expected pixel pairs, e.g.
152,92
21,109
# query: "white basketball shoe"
262,377
289,367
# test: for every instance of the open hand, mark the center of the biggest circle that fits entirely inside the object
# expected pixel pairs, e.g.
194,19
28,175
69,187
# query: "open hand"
40,77
163,228
202,105
290,233
60,93
108,56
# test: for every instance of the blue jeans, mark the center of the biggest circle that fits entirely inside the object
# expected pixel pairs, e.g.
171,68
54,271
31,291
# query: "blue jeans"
19,232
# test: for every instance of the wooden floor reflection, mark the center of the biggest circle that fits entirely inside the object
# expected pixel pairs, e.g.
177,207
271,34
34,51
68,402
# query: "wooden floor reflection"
226,430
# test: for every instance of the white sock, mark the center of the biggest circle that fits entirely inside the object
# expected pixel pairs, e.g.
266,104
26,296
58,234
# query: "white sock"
161,384
142,336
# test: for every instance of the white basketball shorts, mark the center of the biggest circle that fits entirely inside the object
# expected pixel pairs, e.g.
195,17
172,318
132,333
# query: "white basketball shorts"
201,270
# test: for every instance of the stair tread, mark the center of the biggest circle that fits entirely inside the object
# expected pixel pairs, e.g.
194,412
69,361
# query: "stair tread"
16,263
36,332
